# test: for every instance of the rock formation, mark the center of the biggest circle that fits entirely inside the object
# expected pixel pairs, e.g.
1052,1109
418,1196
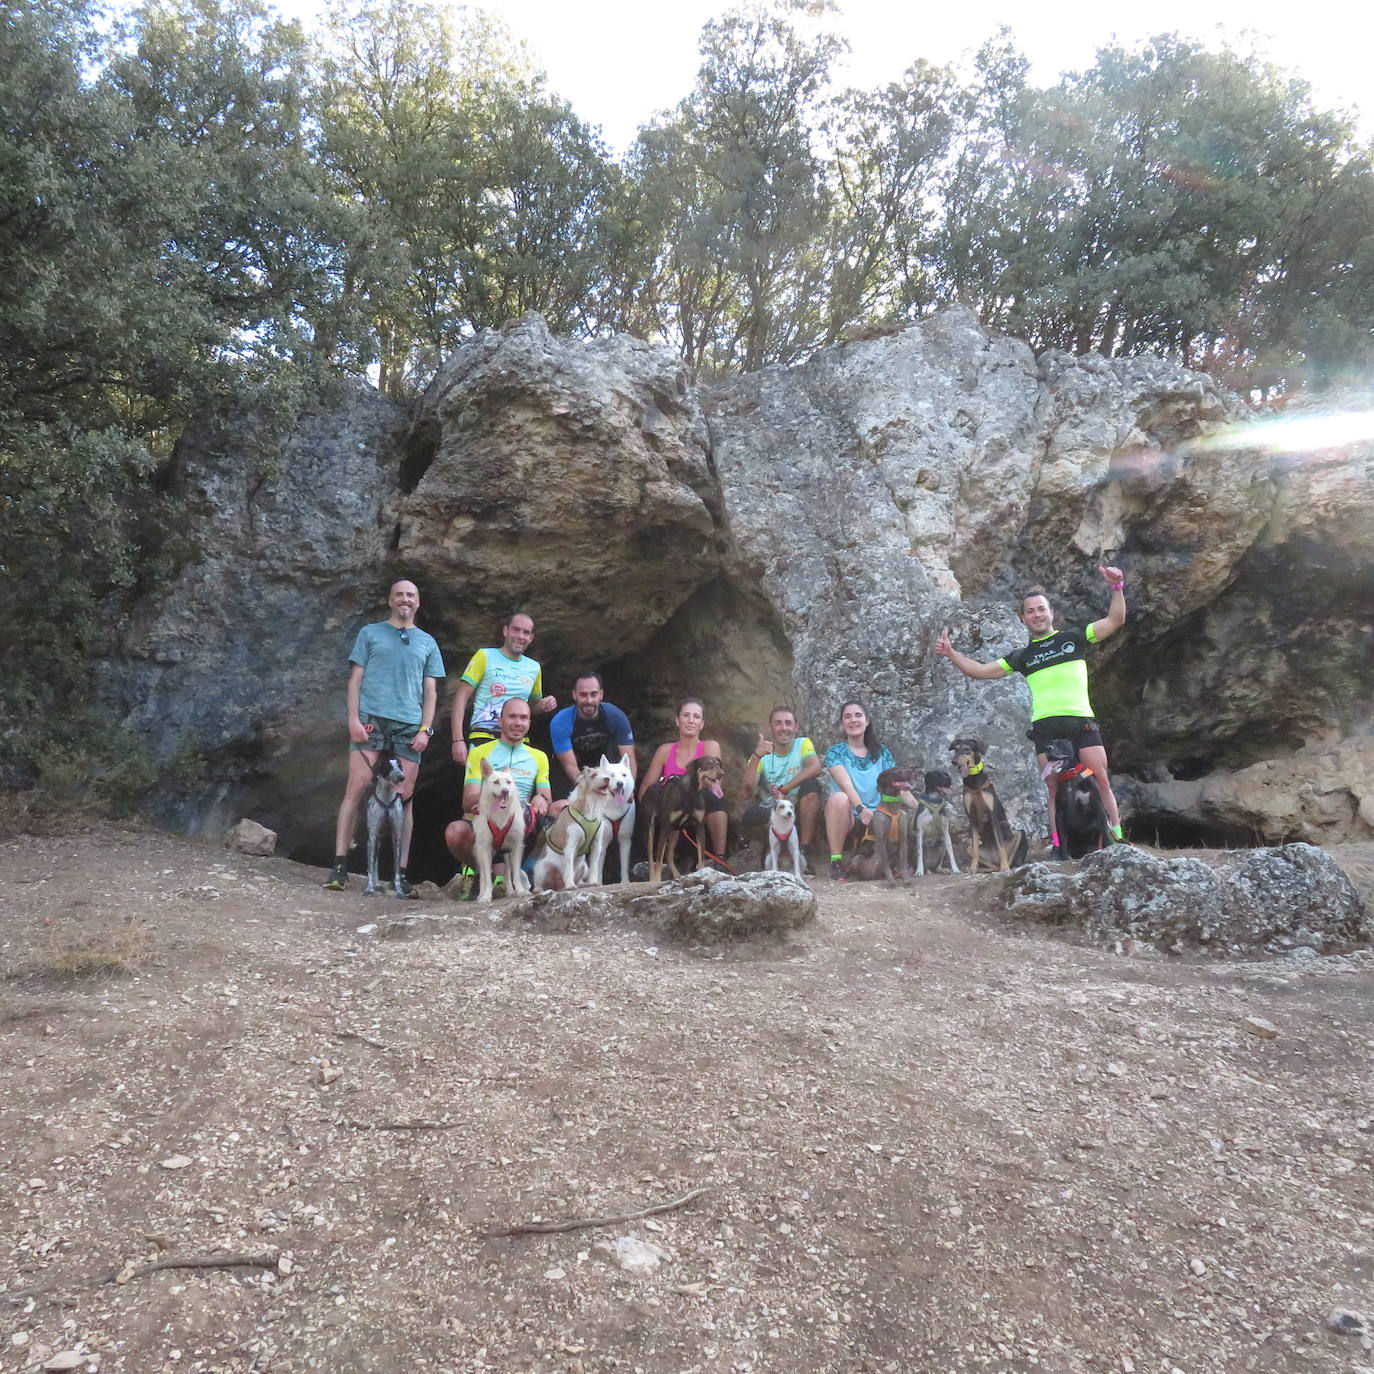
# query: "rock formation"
797,535
1236,903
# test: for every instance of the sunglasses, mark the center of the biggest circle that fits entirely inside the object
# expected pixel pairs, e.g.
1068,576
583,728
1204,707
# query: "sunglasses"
405,636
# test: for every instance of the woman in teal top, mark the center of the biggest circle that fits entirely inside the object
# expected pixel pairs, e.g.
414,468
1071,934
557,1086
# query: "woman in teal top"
854,764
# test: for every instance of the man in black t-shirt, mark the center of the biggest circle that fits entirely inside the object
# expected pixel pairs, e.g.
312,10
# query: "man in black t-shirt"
581,733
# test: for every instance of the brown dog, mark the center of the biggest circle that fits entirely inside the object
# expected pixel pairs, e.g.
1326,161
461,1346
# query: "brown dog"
987,821
889,829
670,805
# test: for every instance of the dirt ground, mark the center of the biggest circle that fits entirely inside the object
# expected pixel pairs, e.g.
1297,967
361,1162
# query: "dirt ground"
932,1140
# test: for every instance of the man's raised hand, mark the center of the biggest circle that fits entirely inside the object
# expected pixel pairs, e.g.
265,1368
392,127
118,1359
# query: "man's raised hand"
944,646
1112,575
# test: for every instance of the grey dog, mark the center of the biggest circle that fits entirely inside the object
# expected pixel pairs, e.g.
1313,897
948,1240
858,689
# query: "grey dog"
385,805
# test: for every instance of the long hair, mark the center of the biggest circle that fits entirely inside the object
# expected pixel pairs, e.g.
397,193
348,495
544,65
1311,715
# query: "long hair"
871,741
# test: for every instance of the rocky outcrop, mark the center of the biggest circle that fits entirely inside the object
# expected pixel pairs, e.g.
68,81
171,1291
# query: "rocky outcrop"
1231,904
799,535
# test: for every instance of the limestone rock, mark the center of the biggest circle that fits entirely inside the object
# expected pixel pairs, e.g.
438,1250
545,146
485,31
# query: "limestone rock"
248,837
632,1254
708,907
1237,902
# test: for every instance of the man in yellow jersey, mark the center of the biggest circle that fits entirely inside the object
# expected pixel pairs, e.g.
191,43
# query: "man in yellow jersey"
1055,667
491,678
529,767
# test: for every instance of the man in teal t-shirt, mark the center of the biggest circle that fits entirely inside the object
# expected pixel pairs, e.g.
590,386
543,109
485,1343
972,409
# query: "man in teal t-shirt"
492,677
785,764
1055,667
393,691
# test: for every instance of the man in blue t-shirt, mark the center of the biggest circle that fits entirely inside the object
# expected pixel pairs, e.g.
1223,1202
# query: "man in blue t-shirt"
581,733
393,676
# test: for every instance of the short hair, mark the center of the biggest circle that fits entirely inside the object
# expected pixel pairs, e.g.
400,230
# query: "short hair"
1036,590
515,613
590,673
785,710
690,701
510,701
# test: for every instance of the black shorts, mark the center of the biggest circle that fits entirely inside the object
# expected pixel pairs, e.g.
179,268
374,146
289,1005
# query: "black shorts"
710,802
1083,731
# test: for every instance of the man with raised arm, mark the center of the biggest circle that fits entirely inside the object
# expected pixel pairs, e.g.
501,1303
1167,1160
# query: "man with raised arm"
1055,667
393,689
783,764
491,676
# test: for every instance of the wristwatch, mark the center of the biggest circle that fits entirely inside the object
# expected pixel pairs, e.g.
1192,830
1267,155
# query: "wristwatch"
426,729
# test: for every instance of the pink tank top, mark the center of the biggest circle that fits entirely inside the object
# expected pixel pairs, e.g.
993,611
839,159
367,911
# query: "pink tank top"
672,768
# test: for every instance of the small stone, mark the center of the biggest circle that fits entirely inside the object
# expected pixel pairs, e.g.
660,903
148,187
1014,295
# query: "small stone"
285,1264
174,1162
631,1254
68,1359
1197,1266
555,1274
328,1074
248,837
1116,1070
1348,1323
1257,1025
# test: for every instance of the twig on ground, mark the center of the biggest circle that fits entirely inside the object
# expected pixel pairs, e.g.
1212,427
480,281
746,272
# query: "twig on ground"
358,1035
266,1260
544,1228
402,1125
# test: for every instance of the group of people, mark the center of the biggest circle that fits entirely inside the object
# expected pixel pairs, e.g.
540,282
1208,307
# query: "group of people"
393,697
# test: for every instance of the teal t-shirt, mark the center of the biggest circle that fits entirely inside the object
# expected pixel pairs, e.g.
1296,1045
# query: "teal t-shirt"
394,672
863,772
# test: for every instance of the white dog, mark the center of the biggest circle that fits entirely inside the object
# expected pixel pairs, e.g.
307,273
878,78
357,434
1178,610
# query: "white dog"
499,828
575,844
782,834
620,817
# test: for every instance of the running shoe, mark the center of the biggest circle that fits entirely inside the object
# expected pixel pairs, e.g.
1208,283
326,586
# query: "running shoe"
337,880
837,870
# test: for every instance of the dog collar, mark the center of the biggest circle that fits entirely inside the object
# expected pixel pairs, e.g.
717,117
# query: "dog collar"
891,801
974,768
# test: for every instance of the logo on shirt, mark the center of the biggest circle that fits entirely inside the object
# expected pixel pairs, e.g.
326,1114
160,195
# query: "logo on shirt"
498,689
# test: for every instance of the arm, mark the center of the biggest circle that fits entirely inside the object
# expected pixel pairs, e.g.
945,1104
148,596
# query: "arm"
539,799
428,702
749,780
460,705
472,791
1116,611
970,667
357,731
539,703
655,770
567,760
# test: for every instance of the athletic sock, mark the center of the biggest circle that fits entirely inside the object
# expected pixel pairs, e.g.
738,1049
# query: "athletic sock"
1054,839
835,858
1116,833
340,860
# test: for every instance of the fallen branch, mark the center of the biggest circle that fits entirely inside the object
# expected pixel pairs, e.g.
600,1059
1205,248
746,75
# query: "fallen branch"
267,1260
402,1125
358,1035
544,1228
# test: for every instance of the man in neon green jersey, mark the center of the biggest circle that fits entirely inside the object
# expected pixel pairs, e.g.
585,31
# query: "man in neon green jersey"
1055,667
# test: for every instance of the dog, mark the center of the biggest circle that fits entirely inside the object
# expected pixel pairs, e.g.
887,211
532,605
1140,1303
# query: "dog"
987,821
890,826
670,804
385,806
620,816
499,828
782,835
575,844
1079,814
933,810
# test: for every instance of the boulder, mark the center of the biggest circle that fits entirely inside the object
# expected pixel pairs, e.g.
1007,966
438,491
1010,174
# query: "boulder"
1234,903
248,837
709,907
706,907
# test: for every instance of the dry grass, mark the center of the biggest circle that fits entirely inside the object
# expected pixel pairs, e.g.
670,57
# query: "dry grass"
79,949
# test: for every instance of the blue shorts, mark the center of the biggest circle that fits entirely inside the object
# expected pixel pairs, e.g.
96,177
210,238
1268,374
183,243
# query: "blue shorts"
386,736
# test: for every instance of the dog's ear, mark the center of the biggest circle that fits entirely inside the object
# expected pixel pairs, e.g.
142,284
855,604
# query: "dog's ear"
605,762
486,768
982,746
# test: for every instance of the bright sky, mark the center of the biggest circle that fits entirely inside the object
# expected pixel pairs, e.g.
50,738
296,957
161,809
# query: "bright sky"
620,61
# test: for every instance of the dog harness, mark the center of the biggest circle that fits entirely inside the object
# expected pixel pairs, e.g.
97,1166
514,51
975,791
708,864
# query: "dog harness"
1079,770
498,837
934,804
782,836
588,825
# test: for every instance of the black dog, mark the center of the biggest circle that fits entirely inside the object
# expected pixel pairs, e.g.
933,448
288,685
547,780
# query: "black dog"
1079,815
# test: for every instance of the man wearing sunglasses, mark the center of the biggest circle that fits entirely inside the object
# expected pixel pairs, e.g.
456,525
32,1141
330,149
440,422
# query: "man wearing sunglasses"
393,676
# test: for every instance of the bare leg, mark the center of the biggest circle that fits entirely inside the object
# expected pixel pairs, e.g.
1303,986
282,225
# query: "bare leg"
717,826
458,838
407,790
808,817
838,820
1095,757
360,763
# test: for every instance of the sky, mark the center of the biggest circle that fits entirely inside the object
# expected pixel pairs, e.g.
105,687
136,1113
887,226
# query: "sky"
620,61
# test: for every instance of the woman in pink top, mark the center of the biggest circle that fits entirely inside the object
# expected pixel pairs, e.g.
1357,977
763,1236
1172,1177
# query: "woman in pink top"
670,761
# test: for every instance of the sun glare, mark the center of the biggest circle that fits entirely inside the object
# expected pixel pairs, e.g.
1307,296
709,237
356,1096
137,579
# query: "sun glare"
1296,433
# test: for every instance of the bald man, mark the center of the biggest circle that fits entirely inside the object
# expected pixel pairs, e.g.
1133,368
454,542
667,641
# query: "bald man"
393,689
